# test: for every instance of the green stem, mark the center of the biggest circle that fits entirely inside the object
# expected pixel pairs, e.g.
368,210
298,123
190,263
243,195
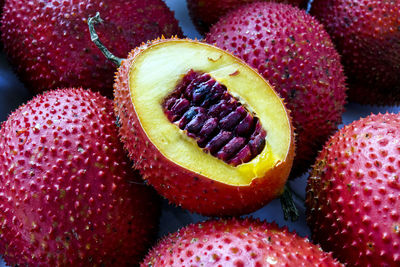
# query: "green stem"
288,206
95,39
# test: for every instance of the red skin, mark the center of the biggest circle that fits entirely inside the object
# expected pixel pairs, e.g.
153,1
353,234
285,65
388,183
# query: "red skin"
353,203
367,35
181,186
205,13
50,46
236,242
68,196
295,54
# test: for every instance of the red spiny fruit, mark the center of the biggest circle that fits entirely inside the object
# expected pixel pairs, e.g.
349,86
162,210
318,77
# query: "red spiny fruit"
68,195
295,54
353,193
204,128
48,42
205,13
367,35
236,242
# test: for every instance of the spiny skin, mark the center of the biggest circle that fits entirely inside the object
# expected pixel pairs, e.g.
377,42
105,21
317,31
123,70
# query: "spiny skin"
181,186
68,195
236,242
295,54
353,204
367,35
48,42
205,13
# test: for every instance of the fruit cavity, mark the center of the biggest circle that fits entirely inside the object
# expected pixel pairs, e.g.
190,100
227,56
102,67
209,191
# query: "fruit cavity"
295,54
197,127
236,242
353,193
367,35
48,42
68,195
210,114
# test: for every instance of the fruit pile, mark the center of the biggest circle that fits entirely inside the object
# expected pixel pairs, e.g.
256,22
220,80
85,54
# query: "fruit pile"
123,111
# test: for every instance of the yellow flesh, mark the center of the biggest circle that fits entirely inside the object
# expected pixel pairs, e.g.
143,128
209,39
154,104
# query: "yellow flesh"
155,73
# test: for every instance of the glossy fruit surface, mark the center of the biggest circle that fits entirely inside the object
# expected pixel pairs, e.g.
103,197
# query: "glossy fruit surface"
68,195
49,45
367,35
236,242
205,13
353,193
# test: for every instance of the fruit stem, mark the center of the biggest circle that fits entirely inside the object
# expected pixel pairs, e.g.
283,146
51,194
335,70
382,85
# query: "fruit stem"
288,206
95,39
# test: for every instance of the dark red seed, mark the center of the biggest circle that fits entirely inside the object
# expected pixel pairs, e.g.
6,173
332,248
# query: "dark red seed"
257,143
209,127
232,119
221,125
187,117
221,109
195,125
244,155
218,142
213,96
245,127
181,106
231,148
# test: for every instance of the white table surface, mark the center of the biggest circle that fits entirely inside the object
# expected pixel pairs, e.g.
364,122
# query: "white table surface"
13,93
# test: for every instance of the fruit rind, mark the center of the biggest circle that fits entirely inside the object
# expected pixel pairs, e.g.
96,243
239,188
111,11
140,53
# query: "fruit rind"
236,242
367,35
49,46
352,193
68,195
169,178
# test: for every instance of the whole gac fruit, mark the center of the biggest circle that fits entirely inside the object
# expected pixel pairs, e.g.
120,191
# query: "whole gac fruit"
68,195
205,13
236,242
367,35
353,193
49,45
295,54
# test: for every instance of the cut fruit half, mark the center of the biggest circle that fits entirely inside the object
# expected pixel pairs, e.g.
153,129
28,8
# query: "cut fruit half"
204,128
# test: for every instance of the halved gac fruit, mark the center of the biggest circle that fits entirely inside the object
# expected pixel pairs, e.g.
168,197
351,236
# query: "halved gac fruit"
204,128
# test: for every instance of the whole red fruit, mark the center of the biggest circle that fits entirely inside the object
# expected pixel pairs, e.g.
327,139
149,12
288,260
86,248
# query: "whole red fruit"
205,13
68,195
367,35
353,193
48,42
236,242
295,54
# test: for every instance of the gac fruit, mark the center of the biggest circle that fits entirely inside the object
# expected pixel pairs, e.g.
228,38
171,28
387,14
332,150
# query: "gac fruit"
236,242
48,43
205,13
204,128
353,204
367,35
294,53
68,195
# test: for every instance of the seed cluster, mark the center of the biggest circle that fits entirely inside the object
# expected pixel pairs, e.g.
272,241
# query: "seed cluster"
220,124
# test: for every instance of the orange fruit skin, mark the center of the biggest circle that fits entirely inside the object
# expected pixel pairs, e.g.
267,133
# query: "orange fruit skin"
181,186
